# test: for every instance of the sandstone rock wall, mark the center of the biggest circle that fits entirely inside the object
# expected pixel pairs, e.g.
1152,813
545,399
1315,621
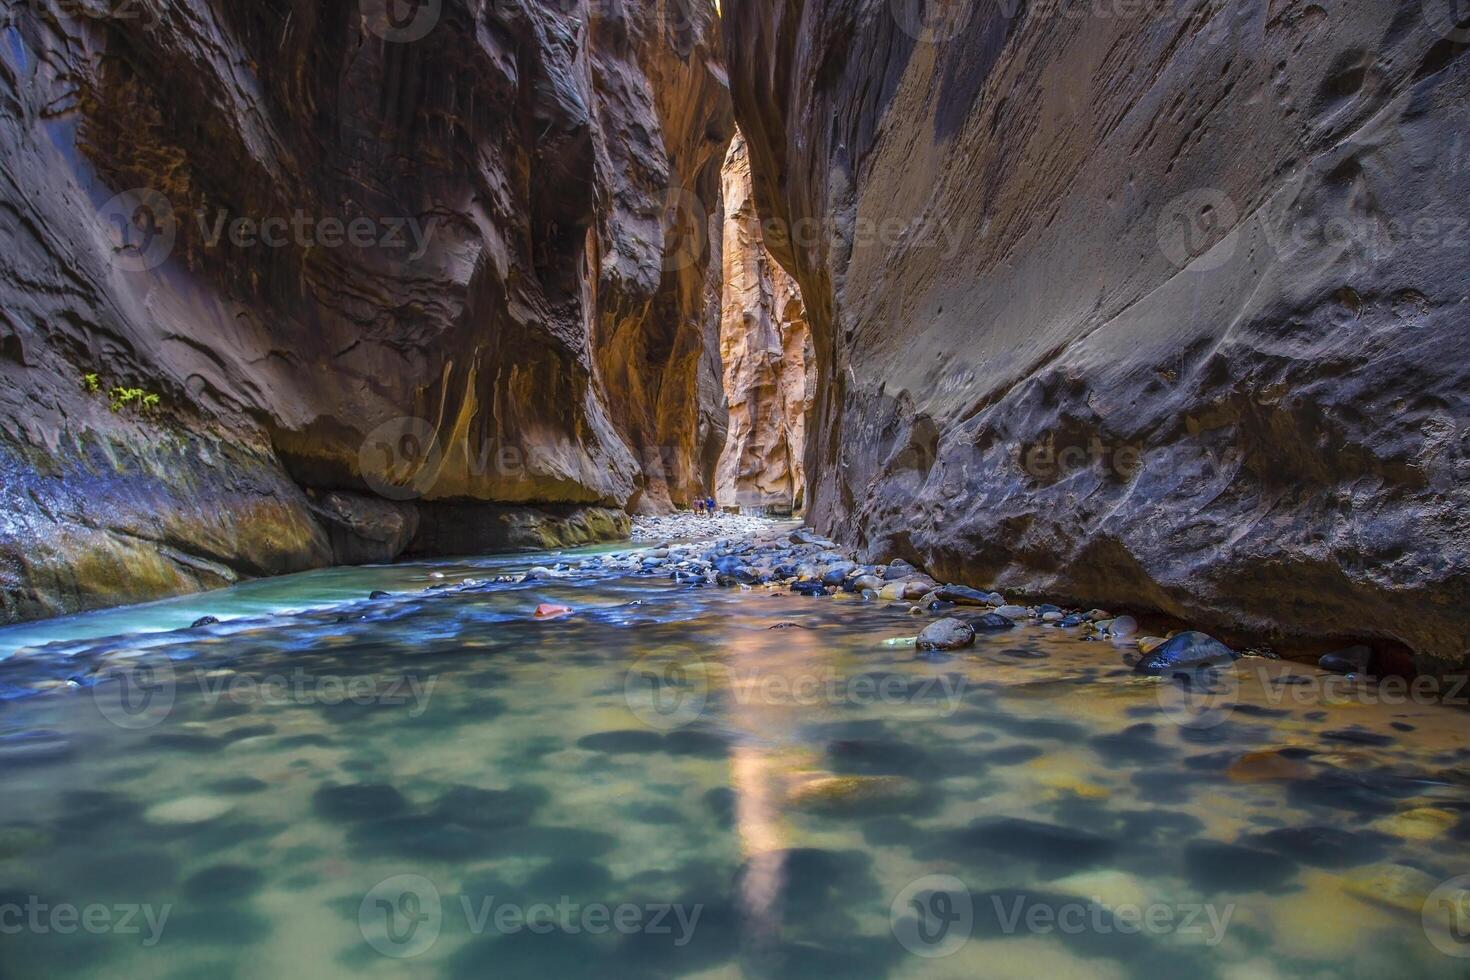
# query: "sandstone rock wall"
456,258
769,367
1158,306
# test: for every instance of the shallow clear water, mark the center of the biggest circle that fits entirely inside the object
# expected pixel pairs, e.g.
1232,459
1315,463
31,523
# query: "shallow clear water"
684,786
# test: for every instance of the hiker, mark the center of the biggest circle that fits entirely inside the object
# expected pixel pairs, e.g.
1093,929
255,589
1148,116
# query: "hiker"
698,505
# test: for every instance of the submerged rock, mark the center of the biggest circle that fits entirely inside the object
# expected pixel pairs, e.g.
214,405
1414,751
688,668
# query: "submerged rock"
993,621
1189,650
203,621
946,634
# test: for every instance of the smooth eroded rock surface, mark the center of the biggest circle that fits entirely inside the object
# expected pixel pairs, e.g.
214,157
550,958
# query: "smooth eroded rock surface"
265,262
1159,311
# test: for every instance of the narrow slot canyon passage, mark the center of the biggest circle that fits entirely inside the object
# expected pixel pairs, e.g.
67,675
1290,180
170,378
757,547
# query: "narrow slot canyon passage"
734,489
767,359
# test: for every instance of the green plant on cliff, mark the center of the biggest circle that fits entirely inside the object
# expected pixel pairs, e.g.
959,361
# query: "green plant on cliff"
143,401
91,383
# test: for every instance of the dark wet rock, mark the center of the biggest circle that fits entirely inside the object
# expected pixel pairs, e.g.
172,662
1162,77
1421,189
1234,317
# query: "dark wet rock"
1213,867
84,810
1190,650
204,621
380,594
1165,786
876,757
898,569
1353,660
1047,607
653,813
1033,728
962,595
33,748
946,634
720,802
1134,744
475,807
187,742
558,843
1357,736
358,801
836,574
580,879
1070,622
993,622
1401,726
1324,847
238,785
692,741
630,740
809,587
1012,755
573,956
422,837
1056,848
223,883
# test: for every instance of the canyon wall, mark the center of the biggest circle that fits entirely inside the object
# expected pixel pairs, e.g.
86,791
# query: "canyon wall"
1160,306
766,351
296,281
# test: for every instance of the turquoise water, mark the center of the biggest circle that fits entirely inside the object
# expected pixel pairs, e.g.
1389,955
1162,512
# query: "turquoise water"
691,782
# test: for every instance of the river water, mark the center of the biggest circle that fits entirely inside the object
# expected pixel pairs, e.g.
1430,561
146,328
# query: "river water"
678,781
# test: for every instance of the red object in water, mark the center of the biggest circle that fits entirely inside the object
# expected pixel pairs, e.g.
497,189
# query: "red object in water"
548,610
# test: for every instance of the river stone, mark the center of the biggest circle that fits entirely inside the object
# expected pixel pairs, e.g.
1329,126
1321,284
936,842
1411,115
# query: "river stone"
1122,626
898,569
867,583
918,587
962,595
188,810
1353,660
837,574
1013,612
892,590
994,621
203,621
1187,651
809,587
946,634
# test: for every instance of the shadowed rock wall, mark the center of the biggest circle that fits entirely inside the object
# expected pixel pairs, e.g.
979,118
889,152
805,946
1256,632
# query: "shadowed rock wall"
364,261
1157,306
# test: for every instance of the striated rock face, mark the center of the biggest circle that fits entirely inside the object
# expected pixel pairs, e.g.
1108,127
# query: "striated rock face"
369,271
1166,309
769,367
